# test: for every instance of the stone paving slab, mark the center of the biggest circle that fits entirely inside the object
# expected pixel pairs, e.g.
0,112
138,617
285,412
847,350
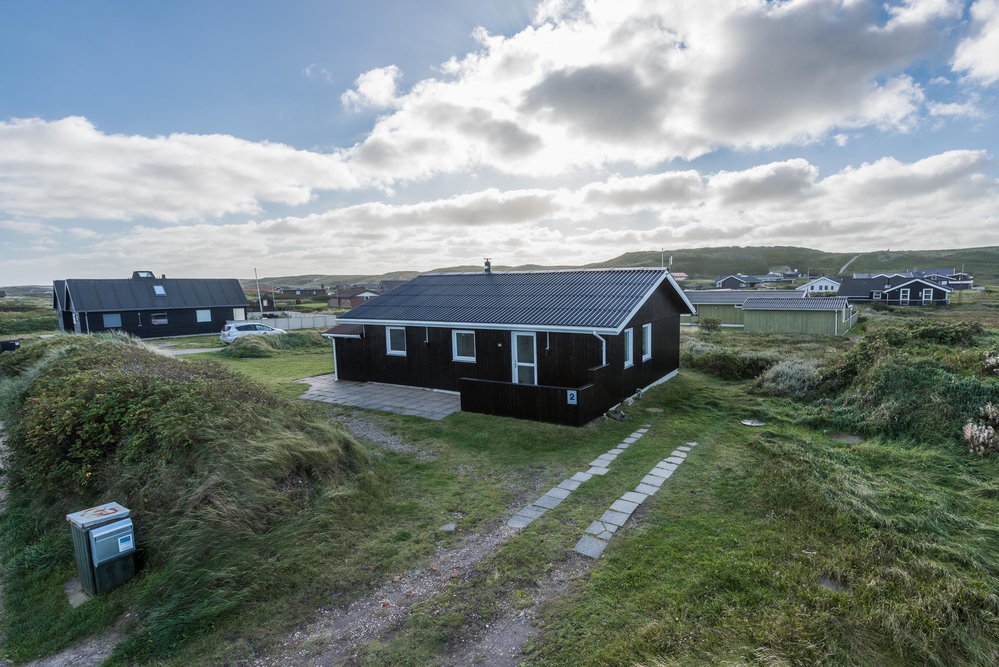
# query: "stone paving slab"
614,518
647,489
652,480
692,444
623,445
581,477
643,431
558,493
518,521
633,497
590,546
677,453
597,471
532,511
414,401
674,459
624,506
548,502
615,451
683,449
630,440
569,484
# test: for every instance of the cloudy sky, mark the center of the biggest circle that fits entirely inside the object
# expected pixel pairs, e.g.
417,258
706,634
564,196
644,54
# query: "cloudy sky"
205,139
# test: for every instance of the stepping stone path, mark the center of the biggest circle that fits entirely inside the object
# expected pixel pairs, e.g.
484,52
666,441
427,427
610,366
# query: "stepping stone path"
622,508
551,500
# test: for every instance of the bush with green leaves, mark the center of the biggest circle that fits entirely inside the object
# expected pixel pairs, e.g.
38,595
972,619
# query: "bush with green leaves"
223,478
791,378
255,347
726,363
710,324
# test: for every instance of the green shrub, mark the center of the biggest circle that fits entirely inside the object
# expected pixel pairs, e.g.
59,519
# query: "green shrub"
223,478
252,347
727,363
710,324
792,378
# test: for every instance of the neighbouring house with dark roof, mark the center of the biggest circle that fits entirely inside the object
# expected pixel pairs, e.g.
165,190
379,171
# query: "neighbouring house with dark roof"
3,293
894,290
737,281
351,297
951,278
554,346
831,316
147,306
725,305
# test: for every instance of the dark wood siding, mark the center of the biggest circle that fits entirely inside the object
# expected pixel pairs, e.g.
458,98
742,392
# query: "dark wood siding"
180,322
563,361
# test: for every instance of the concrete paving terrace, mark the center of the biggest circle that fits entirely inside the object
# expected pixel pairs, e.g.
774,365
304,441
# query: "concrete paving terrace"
621,510
552,499
415,401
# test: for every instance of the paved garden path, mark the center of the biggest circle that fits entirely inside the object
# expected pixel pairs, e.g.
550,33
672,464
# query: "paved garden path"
554,497
601,530
389,398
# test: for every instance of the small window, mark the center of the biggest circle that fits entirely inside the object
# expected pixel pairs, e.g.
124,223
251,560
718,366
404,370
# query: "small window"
112,320
298,292
395,341
159,290
239,314
158,318
646,341
203,315
927,295
463,345
629,348
876,295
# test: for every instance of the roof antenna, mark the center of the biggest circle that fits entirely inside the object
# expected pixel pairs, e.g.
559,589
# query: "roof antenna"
489,266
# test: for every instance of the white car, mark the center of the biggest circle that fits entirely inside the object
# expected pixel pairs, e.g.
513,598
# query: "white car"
234,330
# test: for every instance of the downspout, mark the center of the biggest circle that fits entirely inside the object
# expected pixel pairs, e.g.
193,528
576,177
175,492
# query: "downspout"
603,347
336,366
86,318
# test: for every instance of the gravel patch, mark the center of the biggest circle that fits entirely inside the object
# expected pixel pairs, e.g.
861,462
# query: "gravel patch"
368,430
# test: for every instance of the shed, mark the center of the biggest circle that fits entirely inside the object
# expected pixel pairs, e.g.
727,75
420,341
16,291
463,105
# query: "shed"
554,346
833,316
724,305
147,306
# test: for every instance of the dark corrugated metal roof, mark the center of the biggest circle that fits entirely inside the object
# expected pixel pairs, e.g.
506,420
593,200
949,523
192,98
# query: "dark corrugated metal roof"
790,303
732,297
585,299
139,294
345,331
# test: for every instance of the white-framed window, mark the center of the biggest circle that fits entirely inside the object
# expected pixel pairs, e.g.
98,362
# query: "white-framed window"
463,345
646,341
203,315
158,318
395,341
159,290
238,314
629,348
928,295
525,357
903,295
298,292
112,320
876,295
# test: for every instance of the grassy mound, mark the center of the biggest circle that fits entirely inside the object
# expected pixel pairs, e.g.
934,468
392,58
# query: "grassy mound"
255,347
225,482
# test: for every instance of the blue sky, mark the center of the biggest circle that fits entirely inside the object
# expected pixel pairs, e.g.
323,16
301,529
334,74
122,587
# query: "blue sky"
208,138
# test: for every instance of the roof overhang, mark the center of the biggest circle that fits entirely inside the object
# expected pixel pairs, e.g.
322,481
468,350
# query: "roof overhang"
917,280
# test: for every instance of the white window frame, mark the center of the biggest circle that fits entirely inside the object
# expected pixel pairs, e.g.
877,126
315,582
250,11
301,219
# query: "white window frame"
200,316
238,314
388,342
629,348
928,299
454,345
877,295
904,295
515,362
165,317
104,319
646,341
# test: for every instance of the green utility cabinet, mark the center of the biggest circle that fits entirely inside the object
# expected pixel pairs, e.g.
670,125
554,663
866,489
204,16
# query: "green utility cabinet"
104,544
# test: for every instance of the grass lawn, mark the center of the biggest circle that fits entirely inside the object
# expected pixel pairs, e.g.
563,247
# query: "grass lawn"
277,373
191,342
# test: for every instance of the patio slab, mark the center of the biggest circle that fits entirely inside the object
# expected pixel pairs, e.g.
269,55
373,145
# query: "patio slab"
414,401
590,546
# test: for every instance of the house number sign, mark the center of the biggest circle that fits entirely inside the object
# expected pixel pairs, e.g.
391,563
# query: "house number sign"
571,397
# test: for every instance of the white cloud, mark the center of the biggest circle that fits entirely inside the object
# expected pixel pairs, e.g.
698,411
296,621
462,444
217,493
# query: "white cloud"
375,89
70,169
314,71
978,54
886,203
969,109
602,82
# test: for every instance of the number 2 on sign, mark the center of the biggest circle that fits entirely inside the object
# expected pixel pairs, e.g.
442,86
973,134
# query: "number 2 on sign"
571,397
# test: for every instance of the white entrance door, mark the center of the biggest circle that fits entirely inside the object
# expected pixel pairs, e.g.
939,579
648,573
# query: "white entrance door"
524,353
903,296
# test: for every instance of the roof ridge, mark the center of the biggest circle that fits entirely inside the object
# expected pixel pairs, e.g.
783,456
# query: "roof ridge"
508,273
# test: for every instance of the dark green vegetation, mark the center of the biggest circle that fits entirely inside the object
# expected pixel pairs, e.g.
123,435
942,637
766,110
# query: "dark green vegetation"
26,315
256,347
227,483
702,263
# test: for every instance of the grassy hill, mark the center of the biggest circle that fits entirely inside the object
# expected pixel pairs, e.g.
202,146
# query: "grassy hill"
983,263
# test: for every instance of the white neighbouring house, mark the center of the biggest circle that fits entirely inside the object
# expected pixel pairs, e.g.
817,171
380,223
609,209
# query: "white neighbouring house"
821,285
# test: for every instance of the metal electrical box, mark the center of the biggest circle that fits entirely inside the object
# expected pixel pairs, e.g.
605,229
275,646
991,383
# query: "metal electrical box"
104,543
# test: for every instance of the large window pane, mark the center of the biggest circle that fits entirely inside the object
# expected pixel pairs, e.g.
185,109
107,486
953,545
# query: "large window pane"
204,315
525,349
112,320
396,341
159,318
464,345
525,374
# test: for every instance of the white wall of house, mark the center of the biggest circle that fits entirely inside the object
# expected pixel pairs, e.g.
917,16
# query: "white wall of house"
820,286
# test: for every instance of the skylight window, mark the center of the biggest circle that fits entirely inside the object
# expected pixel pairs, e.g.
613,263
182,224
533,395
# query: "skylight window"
159,290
